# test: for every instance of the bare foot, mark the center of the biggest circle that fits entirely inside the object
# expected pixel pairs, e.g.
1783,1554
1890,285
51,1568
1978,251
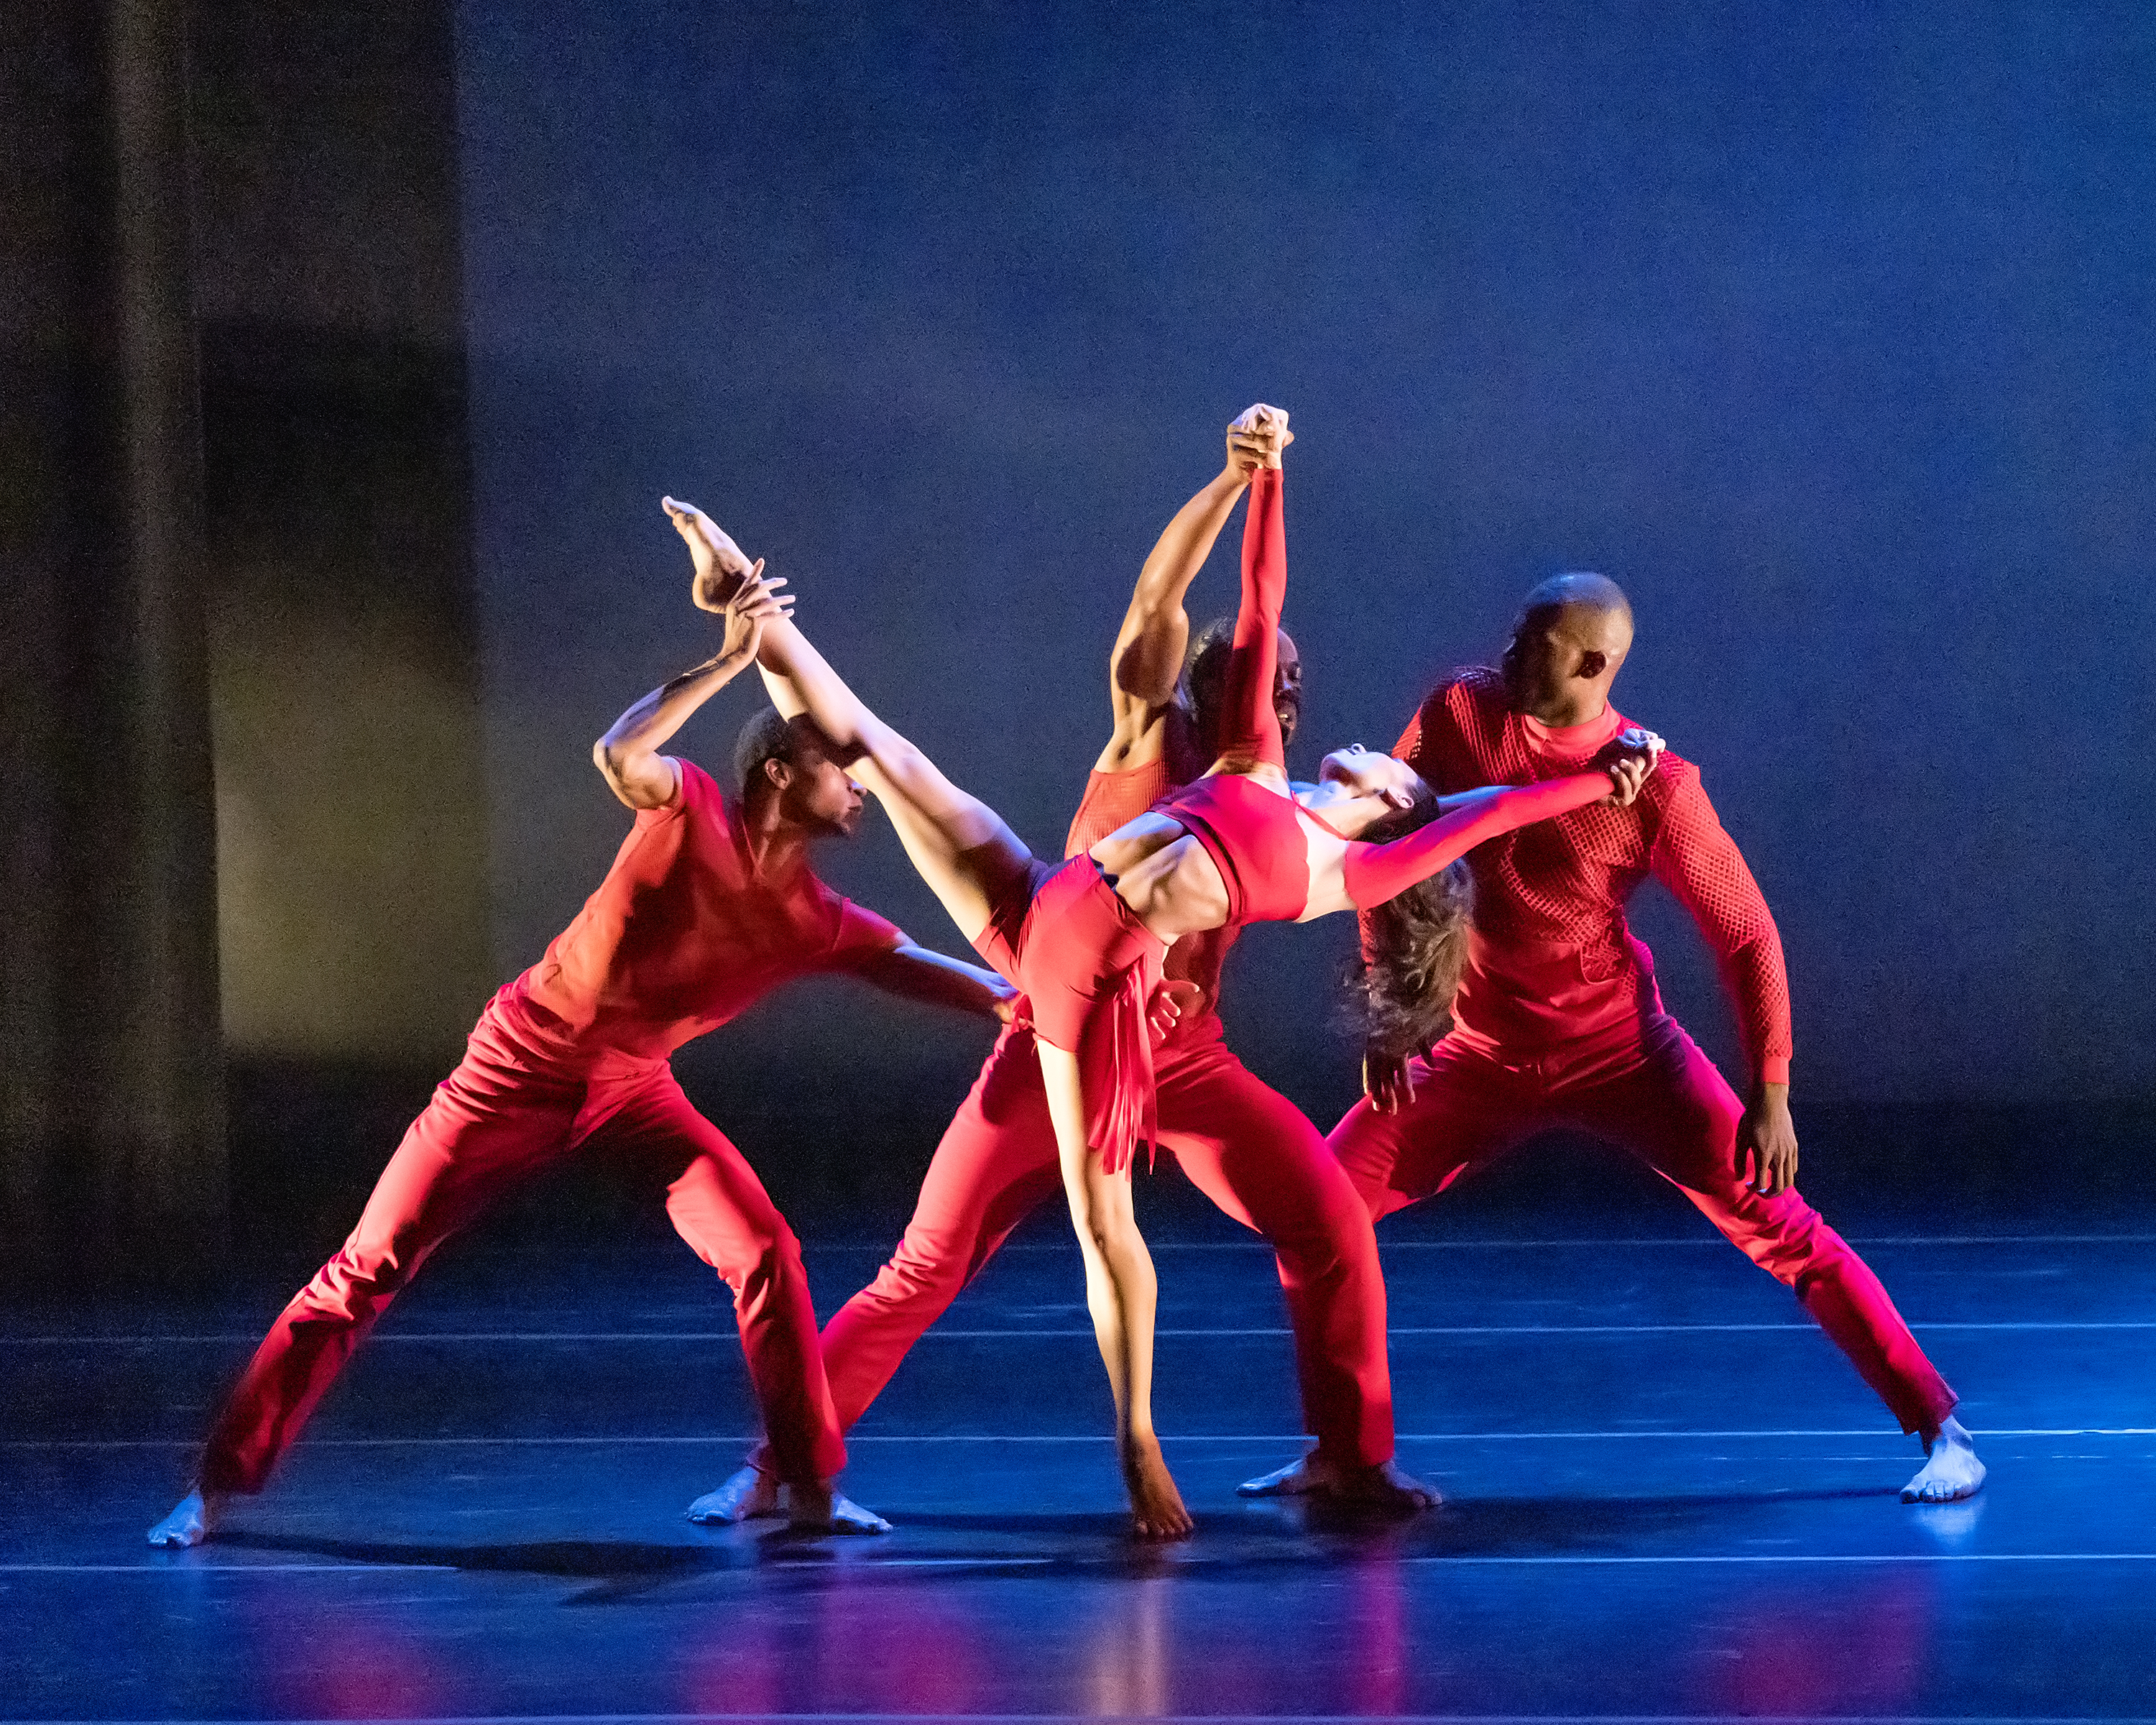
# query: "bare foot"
192,1520
719,562
825,1509
745,1496
1157,1510
1952,1473
1300,1478
1386,1486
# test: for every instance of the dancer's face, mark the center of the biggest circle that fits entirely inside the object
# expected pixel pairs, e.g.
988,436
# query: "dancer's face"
1562,656
1287,688
817,795
1364,773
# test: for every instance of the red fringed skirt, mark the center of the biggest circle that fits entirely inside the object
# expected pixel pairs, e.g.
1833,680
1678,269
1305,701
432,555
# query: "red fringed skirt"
1088,968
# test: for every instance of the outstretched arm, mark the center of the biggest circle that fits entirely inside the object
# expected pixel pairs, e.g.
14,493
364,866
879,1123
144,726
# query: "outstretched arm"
917,973
627,756
1147,657
1371,874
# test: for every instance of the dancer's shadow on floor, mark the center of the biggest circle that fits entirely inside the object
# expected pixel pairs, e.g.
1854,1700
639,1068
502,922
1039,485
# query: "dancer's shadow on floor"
1268,1534
1583,1526
620,1568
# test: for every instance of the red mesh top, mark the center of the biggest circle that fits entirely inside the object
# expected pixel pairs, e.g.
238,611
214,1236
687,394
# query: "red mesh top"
1114,798
1552,959
684,932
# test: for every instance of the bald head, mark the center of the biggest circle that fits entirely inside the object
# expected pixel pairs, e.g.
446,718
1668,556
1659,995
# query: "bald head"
1581,591
1571,636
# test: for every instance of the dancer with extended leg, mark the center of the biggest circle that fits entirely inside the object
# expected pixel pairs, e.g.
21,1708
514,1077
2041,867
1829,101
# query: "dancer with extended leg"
710,905
1085,942
1247,1148
1558,1021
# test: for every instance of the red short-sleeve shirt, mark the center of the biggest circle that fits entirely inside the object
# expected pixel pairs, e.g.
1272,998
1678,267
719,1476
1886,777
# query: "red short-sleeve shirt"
686,932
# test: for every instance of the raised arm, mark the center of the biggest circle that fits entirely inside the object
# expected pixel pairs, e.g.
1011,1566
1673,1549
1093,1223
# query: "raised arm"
627,756
1148,656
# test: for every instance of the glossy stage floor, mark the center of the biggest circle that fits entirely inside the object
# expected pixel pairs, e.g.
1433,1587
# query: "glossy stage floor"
1665,1496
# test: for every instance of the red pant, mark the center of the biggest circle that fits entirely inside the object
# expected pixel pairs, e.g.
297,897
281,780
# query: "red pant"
508,1111
1658,1097
1248,1149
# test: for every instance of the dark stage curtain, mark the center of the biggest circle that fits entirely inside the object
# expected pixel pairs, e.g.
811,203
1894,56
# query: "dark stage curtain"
111,1133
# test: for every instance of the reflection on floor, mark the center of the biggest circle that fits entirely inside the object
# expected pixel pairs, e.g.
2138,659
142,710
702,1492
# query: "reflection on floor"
1665,1496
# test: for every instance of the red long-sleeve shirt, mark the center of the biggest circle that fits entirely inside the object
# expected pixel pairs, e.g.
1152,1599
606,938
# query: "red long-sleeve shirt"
1552,960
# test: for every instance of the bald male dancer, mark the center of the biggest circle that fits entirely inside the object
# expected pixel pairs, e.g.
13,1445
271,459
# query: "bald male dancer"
1246,1147
711,904
1558,1021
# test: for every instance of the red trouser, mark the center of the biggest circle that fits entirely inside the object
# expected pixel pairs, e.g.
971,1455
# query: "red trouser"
1658,1097
507,1111
1248,1149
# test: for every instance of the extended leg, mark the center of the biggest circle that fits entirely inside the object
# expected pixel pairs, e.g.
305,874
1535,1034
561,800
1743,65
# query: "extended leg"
996,1164
1675,1113
963,848
489,1125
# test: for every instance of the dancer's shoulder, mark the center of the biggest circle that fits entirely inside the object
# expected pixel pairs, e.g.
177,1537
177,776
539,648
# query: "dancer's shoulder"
1477,689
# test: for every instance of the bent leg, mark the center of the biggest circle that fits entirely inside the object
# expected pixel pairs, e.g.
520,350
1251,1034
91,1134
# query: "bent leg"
1256,1156
1466,1112
719,1206
1676,1112
490,1124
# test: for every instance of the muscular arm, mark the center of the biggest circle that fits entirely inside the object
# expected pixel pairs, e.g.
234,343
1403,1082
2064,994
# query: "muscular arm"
627,756
1148,656
915,973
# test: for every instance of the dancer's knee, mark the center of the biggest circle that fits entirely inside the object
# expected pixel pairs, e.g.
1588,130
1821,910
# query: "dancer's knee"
748,1245
930,1267
1785,1236
365,1275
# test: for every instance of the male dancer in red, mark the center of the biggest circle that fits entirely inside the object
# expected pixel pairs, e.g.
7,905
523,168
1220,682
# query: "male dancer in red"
709,905
1246,1147
1558,1021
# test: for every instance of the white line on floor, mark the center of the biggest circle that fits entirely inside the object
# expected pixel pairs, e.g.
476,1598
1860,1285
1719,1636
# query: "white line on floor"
1275,1437
1440,1560
240,1339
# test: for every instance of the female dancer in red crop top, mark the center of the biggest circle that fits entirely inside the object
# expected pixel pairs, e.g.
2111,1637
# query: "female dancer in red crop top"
1084,939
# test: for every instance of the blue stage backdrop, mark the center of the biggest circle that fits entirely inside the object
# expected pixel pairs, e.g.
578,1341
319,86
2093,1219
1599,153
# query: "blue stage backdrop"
1825,328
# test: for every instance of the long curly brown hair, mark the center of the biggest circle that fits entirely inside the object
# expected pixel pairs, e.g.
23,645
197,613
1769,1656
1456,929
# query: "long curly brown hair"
1399,999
